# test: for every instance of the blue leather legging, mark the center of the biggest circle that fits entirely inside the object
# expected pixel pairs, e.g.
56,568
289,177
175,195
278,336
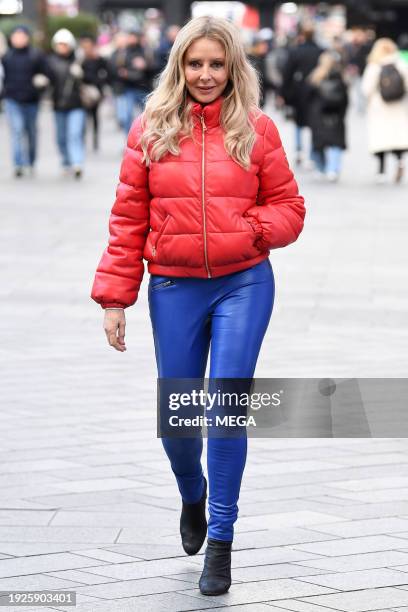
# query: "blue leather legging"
231,312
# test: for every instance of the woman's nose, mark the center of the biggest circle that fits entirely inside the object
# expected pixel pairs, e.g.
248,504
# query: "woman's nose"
205,74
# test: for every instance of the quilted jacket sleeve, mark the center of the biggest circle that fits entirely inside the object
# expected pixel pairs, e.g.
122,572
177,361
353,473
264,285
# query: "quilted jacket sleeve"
120,270
278,216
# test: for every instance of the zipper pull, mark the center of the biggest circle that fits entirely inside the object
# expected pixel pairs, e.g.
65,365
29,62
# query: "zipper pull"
203,122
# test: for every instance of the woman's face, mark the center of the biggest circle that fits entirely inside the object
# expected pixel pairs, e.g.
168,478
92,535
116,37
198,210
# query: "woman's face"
63,49
204,70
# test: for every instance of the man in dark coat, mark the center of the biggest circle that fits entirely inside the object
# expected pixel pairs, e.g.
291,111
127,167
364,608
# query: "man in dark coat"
95,70
129,77
22,64
301,61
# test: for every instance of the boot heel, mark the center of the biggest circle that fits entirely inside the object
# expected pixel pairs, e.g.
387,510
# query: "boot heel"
216,576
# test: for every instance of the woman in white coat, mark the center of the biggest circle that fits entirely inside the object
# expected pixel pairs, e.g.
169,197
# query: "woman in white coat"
387,120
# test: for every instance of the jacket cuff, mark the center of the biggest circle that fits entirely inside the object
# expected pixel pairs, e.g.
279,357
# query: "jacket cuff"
112,305
256,226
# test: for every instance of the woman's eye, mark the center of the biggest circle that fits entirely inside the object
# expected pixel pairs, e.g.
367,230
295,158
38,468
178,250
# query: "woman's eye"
197,64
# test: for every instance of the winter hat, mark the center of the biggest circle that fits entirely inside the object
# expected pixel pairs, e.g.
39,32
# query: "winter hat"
21,28
64,36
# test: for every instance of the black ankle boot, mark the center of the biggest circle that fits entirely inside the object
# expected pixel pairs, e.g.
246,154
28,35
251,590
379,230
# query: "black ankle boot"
193,524
216,576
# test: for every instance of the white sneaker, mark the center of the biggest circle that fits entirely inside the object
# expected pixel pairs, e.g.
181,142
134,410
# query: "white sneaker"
332,177
318,175
309,164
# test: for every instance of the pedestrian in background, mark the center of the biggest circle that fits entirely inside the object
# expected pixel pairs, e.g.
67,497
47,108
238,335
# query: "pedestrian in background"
128,78
301,61
327,109
385,84
66,78
139,71
165,44
95,70
21,65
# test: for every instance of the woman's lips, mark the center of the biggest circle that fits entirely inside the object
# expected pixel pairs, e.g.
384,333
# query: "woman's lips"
204,90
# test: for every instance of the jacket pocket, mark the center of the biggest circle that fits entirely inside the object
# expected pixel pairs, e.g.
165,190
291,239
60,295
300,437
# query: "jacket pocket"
162,284
159,235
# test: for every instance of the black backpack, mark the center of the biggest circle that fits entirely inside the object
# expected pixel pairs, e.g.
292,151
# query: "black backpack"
391,84
332,93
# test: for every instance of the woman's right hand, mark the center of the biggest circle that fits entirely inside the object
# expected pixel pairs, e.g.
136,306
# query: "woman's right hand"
114,325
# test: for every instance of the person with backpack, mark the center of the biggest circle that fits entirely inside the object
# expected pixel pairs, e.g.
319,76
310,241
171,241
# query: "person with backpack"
385,85
22,64
328,102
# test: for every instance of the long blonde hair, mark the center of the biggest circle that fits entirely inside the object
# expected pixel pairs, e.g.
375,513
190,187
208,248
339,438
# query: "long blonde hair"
381,49
326,63
167,112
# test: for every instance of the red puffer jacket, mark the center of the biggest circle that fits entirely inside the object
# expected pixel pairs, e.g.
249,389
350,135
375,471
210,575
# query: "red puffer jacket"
200,213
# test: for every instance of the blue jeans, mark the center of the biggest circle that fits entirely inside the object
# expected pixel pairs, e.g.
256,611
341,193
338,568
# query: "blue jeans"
125,106
70,136
329,159
232,313
333,159
22,118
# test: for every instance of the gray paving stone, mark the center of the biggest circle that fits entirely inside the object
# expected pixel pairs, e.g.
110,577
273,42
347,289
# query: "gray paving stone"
372,484
145,569
26,517
105,555
150,550
91,535
356,562
277,537
273,571
32,466
36,582
167,602
273,590
362,601
361,579
81,577
132,588
286,519
349,546
98,484
376,526
43,563
302,606
111,519
27,549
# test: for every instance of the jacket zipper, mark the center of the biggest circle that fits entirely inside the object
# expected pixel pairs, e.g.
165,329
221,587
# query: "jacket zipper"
204,127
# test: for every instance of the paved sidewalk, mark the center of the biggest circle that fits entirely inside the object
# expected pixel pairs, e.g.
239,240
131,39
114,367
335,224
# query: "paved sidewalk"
87,499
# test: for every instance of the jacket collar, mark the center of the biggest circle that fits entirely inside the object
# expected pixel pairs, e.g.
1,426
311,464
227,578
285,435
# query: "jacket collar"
210,111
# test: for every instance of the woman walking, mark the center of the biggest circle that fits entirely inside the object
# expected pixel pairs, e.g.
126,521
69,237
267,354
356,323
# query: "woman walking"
206,173
385,85
70,116
328,103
